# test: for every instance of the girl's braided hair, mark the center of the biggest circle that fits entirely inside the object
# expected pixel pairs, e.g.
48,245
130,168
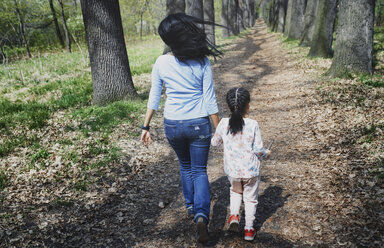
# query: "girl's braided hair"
237,100
186,38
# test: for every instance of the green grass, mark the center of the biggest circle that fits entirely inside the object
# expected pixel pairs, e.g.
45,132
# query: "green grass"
3,180
95,118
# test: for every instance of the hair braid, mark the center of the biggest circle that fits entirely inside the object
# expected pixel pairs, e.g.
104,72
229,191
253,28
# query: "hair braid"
237,100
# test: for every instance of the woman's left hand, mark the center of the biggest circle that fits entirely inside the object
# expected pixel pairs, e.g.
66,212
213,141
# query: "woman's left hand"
146,138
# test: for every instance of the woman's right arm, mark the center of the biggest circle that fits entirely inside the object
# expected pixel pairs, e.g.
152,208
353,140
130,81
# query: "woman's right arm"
153,104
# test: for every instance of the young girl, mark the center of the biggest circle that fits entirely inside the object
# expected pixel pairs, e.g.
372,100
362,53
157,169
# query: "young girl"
242,149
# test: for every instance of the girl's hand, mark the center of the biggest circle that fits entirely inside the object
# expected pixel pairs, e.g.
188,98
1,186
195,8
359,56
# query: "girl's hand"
146,138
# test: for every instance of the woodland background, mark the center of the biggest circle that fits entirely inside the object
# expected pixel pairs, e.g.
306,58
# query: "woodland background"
66,141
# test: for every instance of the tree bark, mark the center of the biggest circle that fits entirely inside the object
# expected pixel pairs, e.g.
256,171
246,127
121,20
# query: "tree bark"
195,8
232,16
354,38
66,31
321,45
209,15
22,29
111,75
309,23
288,17
175,6
297,19
265,10
224,18
282,11
58,33
252,13
240,15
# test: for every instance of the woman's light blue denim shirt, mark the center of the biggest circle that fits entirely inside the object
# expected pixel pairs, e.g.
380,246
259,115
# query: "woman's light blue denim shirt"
189,88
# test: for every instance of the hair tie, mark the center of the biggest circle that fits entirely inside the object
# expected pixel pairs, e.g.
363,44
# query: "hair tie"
236,96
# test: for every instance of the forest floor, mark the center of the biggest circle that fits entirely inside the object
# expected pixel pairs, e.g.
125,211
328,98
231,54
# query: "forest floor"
317,189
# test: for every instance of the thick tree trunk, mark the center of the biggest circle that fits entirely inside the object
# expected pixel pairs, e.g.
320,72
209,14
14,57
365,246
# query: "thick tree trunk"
282,11
224,18
175,6
274,12
195,8
252,12
66,31
247,13
22,29
232,16
241,15
112,80
354,38
297,19
309,23
58,33
321,45
209,15
288,17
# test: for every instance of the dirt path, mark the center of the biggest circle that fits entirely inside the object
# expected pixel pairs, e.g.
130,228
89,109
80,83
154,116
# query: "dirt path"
295,208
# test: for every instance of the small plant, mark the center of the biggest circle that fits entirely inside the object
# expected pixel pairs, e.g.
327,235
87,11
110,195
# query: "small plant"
80,185
3,180
39,155
63,203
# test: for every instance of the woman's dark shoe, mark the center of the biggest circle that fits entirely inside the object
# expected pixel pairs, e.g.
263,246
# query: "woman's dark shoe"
202,231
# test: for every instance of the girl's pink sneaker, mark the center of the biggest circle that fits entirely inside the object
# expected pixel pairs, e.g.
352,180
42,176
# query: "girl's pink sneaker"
249,234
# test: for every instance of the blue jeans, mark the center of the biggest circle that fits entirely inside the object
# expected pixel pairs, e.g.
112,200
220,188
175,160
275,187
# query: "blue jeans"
191,139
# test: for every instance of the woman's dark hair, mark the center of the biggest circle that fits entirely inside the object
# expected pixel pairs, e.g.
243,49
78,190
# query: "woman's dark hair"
237,100
186,39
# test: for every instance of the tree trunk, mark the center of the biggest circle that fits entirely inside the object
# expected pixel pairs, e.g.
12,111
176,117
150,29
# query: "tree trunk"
232,16
175,6
321,45
58,33
354,38
240,15
111,75
22,29
224,18
288,17
282,11
265,10
274,14
209,15
309,23
297,19
247,13
195,8
252,13
66,32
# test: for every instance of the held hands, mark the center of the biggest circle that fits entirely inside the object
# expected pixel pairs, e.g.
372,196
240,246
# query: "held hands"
146,138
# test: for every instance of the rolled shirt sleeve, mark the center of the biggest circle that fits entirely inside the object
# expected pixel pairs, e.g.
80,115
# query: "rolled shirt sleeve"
156,87
209,90
258,144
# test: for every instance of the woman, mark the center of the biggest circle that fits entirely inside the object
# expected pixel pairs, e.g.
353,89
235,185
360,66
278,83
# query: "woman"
187,76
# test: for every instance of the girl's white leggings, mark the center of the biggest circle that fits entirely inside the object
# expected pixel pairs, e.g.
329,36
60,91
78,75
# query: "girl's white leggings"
246,189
